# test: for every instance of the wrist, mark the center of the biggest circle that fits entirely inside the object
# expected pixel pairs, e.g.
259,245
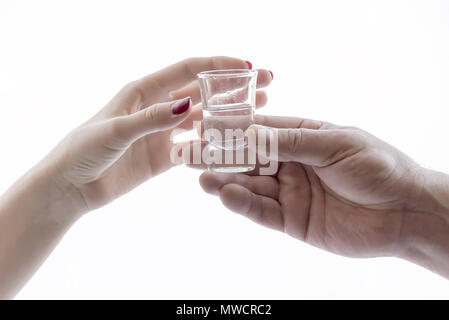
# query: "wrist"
34,214
45,193
434,197
424,237
67,202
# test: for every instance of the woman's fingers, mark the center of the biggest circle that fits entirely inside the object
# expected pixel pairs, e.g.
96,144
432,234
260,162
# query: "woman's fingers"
196,115
180,74
158,117
155,87
261,99
192,89
260,209
264,78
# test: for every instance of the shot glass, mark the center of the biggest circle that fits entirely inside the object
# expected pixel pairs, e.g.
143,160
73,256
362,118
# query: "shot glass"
229,100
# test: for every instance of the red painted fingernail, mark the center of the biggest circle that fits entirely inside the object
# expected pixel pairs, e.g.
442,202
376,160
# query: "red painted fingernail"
250,65
271,74
180,106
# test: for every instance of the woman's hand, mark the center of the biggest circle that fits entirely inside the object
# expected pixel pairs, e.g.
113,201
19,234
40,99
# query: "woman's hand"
123,145
128,141
343,190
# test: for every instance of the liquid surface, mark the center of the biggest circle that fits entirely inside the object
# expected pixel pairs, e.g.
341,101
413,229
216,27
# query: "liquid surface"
225,125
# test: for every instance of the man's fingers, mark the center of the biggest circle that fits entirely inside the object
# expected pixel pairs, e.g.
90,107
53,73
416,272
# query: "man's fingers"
263,210
158,117
290,122
296,198
267,186
308,146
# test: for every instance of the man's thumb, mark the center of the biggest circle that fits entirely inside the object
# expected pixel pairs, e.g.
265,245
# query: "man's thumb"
308,146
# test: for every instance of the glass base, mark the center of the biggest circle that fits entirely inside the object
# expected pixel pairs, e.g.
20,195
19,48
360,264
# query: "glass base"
231,168
228,160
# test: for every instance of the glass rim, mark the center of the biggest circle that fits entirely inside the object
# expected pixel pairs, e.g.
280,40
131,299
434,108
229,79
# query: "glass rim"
226,73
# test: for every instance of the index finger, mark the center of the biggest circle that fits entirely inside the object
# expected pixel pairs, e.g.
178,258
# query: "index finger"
179,74
290,122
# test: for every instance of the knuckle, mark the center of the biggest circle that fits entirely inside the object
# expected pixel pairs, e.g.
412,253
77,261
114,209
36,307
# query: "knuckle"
189,60
115,128
355,137
153,113
346,142
133,91
214,62
294,140
263,215
188,63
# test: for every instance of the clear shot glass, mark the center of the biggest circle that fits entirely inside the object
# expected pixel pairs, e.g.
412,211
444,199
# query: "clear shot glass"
229,100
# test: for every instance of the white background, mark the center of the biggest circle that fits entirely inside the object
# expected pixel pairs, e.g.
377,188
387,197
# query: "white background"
379,65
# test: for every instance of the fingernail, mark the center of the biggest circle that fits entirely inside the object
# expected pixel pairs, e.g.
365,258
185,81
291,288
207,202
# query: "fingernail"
181,106
271,74
250,65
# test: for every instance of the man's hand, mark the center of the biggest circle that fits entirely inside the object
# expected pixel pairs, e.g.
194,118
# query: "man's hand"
337,188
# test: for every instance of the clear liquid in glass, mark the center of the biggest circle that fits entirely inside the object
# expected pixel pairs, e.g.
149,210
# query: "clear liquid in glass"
226,125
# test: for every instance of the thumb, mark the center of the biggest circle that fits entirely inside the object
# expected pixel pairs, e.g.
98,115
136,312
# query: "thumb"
309,146
158,117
